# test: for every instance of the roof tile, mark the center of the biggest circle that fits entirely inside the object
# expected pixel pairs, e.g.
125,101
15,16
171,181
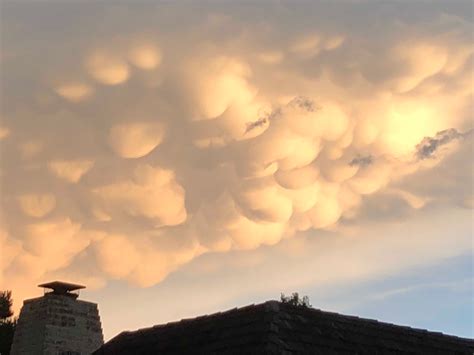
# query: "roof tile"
277,328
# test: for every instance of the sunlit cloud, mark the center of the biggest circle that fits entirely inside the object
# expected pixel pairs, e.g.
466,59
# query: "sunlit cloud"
152,193
37,205
72,170
165,145
135,139
107,68
4,132
145,56
74,92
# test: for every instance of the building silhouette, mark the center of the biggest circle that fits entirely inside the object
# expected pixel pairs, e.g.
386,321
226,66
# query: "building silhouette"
283,329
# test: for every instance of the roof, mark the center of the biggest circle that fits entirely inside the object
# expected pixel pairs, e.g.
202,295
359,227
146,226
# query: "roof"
61,287
279,328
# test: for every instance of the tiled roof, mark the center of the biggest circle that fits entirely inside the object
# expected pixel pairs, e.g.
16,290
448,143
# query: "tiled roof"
279,328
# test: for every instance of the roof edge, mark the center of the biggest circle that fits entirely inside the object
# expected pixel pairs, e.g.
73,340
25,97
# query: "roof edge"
277,306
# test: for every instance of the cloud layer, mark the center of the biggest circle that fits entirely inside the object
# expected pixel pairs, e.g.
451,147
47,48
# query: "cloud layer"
131,152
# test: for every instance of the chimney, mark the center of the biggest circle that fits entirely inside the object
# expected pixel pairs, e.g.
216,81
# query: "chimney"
58,323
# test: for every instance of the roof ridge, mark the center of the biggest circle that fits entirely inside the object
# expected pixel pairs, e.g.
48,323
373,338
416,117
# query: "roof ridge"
376,322
273,310
269,303
278,327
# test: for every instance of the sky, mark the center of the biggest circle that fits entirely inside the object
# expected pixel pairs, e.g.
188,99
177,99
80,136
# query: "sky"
180,159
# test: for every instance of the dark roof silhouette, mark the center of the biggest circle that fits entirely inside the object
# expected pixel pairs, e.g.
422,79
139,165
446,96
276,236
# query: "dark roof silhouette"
280,328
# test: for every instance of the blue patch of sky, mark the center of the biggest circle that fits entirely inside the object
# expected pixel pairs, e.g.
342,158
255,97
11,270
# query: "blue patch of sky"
438,298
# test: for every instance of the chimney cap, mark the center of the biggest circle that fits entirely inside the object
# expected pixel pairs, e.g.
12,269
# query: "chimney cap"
61,288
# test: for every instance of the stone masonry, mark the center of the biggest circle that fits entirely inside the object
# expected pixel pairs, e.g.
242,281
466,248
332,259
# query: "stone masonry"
57,324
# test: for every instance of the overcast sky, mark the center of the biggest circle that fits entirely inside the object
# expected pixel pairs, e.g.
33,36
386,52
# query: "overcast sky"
183,159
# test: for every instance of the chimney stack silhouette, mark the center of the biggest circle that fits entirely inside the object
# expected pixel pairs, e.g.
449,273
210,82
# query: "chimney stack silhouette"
58,323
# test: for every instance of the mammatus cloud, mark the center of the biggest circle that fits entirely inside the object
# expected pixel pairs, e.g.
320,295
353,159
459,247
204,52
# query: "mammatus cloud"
165,145
70,171
152,193
37,205
145,57
107,68
74,92
135,139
